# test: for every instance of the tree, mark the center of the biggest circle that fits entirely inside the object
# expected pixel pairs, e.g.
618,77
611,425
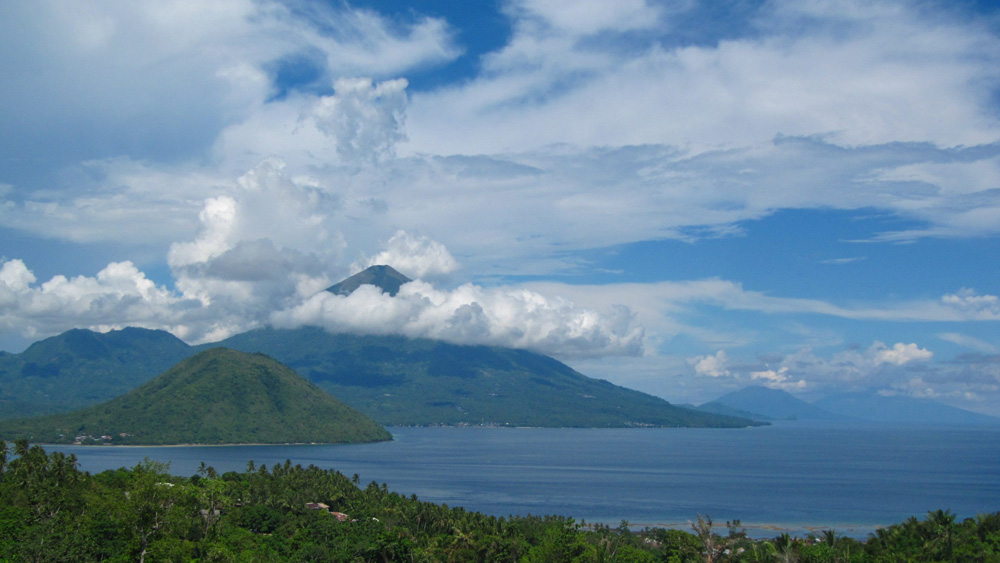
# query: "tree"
942,524
153,506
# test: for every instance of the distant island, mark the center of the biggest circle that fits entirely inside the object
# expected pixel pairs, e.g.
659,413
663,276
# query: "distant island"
765,404
219,396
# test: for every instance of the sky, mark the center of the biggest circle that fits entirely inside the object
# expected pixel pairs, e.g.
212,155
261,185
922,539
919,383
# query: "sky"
680,197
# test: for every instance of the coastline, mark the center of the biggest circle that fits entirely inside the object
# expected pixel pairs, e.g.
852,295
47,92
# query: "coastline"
767,530
789,479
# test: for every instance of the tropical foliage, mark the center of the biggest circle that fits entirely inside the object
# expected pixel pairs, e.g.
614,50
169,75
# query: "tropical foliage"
394,380
80,367
50,511
400,381
219,396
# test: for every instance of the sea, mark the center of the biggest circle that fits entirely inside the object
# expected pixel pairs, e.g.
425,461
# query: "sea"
790,477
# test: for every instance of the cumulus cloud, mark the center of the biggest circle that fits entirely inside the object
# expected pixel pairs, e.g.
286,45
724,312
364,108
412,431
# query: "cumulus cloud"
471,314
187,68
119,295
778,379
266,204
899,354
365,120
269,244
912,387
970,302
414,256
711,366
877,366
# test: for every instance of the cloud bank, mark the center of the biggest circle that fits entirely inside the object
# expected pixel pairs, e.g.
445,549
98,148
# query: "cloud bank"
470,314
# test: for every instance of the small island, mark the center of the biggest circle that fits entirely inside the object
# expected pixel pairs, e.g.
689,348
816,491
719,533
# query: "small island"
219,396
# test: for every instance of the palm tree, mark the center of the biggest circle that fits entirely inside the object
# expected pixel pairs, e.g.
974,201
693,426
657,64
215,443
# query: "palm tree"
21,447
703,529
786,549
942,524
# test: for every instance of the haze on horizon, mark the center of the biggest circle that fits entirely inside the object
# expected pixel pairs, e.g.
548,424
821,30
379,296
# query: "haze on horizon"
681,199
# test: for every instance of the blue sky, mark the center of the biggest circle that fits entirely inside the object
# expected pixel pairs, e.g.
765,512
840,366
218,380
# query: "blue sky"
680,197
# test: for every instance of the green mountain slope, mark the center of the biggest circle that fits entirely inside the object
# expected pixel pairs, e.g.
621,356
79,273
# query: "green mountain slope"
80,367
402,381
219,396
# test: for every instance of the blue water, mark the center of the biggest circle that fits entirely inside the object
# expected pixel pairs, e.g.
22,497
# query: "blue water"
792,477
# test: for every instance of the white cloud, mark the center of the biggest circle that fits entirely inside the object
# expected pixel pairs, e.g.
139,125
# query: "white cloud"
581,18
894,74
473,315
778,379
913,387
119,295
596,125
266,204
667,309
365,120
183,65
268,244
985,307
15,277
900,354
970,342
711,366
790,136
415,257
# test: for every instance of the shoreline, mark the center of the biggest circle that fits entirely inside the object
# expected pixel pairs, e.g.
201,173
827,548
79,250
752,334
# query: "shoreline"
228,444
767,530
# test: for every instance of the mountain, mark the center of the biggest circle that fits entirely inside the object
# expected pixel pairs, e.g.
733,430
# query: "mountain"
716,407
904,410
393,379
404,381
218,396
80,367
768,403
383,277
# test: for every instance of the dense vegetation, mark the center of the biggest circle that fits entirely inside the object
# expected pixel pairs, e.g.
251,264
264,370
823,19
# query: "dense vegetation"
392,379
50,511
80,368
219,396
401,381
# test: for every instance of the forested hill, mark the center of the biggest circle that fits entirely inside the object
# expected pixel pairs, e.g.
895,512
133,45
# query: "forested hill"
80,368
219,396
404,381
393,379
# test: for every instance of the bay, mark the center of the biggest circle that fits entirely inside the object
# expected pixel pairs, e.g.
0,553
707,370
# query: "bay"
792,477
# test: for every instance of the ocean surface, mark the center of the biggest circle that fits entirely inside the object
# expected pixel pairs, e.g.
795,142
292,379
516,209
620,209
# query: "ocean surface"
791,477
